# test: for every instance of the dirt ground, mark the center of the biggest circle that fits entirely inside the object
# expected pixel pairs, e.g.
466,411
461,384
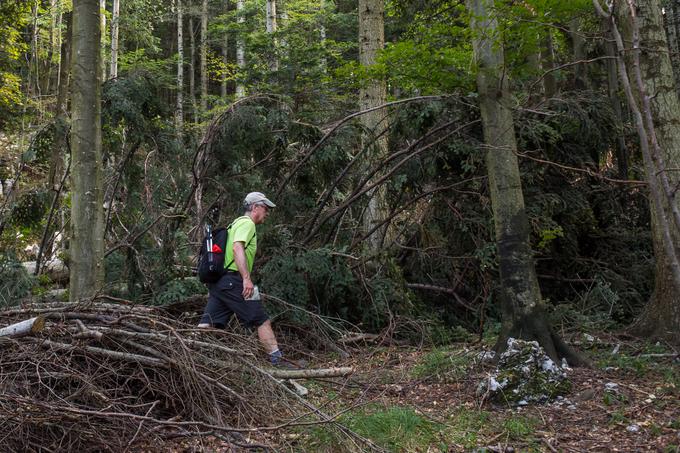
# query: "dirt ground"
628,402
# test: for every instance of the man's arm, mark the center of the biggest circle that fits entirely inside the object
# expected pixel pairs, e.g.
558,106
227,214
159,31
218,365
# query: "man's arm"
242,265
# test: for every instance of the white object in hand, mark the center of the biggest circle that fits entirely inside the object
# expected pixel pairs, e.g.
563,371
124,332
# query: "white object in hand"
255,295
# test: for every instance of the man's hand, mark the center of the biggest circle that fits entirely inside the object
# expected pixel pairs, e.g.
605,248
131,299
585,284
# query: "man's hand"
248,288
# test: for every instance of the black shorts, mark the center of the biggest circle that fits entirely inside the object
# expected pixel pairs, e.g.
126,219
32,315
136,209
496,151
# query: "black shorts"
225,298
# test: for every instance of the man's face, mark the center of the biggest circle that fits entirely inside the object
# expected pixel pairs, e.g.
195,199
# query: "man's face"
260,213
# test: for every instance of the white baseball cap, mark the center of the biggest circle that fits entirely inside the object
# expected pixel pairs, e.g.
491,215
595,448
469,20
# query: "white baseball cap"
258,197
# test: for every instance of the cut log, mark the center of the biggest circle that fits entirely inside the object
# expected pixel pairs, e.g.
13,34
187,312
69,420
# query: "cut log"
22,328
311,373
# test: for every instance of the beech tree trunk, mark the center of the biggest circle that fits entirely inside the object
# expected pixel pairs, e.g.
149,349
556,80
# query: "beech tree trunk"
86,258
322,37
373,94
271,29
547,64
115,22
204,56
60,115
102,17
578,44
661,317
192,66
240,51
225,56
613,92
672,25
179,114
523,309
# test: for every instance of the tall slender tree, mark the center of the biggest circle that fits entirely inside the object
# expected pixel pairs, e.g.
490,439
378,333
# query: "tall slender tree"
523,309
271,27
115,26
102,18
240,49
672,24
204,56
87,211
225,56
179,112
373,94
656,106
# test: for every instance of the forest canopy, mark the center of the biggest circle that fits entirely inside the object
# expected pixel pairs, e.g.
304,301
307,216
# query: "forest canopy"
376,158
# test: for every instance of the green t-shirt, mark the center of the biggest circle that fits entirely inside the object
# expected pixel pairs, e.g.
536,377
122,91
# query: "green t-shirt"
242,230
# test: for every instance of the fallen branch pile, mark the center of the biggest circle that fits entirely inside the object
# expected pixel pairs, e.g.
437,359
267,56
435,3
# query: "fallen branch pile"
109,377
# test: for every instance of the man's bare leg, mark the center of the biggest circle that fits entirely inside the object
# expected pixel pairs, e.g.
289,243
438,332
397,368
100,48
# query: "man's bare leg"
267,337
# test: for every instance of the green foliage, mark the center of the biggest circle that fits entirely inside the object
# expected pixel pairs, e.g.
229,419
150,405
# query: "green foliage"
14,15
178,290
30,208
15,282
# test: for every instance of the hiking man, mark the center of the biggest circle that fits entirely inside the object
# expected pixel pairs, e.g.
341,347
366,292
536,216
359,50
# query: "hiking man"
235,293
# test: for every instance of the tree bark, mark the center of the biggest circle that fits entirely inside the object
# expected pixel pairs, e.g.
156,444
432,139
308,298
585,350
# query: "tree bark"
240,50
87,212
179,113
661,316
102,17
613,92
271,29
373,94
115,22
192,66
672,25
22,328
204,56
523,308
578,44
60,116
225,56
322,37
547,64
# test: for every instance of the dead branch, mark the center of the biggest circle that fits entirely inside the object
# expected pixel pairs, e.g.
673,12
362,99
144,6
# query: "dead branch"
103,376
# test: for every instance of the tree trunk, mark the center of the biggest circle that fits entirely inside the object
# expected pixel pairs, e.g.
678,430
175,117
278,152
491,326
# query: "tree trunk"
102,17
115,22
271,29
578,44
34,87
60,116
204,56
179,114
613,92
373,94
87,213
240,50
192,66
672,25
322,37
523,309
225,56
661,316
547,64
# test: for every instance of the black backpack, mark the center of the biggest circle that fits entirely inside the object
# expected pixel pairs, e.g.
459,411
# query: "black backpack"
213,251
211,259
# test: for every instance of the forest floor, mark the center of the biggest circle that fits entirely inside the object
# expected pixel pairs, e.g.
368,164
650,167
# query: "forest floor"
407,399
425,401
